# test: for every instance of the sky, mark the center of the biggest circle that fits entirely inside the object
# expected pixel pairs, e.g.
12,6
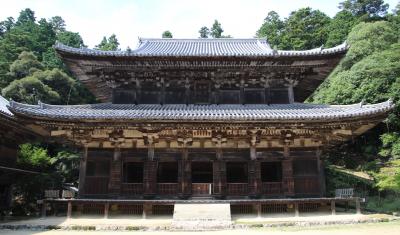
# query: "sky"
131,19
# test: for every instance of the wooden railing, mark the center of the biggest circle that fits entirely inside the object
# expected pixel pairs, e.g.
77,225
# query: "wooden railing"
96,185
201,188
237,188
167,188
272,188
132,188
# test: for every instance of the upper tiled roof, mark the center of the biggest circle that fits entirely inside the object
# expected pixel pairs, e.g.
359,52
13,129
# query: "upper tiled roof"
202,47
3,106
181,112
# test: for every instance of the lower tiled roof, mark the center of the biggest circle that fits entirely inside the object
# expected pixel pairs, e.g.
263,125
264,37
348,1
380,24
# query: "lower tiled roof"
223,112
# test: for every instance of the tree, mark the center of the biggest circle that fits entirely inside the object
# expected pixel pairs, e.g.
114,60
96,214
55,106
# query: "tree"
57,23
204,32
339,27
216,30
365,8
25,65
6,25
388,177
272,28
167,34
305,29
31,90
110,44
26,16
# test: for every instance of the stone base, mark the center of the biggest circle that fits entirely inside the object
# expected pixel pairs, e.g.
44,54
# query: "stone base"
201,216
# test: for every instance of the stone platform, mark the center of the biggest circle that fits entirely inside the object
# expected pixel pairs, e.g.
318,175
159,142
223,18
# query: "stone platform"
201,216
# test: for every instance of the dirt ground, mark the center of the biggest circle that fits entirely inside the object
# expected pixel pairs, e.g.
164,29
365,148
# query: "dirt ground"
390,228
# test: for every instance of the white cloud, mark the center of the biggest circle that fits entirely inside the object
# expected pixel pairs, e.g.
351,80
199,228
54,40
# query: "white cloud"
130,19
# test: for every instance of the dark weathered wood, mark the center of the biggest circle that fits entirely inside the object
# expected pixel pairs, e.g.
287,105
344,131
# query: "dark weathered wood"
255,183
333,207
150,179
358,206
219,176
82,171
114,187
296,209
69,210
287,177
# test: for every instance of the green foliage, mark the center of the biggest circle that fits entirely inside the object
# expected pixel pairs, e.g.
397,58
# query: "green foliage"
388,178
110,44
216,30
25,65
31,90
388,204
204,32
336,179
339,27
390,145
365,8
303,29
33,156
167,34
272,28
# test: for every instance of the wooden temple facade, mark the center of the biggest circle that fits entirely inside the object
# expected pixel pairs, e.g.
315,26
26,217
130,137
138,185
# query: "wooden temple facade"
201,118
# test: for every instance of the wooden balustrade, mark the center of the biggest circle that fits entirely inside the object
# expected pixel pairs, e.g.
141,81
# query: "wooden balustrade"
237,189
272,188
132,189
167,188
201,188
96,185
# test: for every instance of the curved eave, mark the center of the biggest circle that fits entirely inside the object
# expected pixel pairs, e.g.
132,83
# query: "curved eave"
67,51
305,113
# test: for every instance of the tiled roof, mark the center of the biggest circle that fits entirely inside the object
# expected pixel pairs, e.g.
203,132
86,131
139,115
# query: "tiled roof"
202,47
178,112
3,106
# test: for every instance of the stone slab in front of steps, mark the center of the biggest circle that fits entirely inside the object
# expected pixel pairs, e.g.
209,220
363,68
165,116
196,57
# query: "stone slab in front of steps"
201,216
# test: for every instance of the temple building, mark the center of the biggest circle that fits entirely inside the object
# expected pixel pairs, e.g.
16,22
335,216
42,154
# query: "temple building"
212,119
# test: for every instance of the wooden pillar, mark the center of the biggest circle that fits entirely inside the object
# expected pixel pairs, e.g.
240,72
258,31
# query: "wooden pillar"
150,174
69,209
82,172
358,206
321,174
114,185
290,94
287,173
257,208
185,175
44,208
254,174
147,210
106,210
296,209
219,176
333,207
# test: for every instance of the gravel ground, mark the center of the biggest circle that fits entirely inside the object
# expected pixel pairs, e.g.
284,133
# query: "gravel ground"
390,228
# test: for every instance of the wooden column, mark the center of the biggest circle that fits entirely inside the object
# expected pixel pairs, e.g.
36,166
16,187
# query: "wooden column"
321,174
290,94
254,174
69,210
358,206
147,210
106,210
185,175
114,185
82,172
296,209
333,207
287,173
219,176
150,174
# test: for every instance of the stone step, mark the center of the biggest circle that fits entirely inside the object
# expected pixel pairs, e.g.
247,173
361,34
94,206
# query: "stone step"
204,216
